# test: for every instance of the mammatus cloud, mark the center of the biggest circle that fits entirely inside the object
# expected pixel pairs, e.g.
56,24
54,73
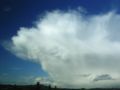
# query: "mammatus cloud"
73,48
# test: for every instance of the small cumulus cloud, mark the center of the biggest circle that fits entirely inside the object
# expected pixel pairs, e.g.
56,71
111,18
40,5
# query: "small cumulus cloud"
44,80
71,47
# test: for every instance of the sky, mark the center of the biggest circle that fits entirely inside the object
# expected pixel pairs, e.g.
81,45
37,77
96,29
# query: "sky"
67,43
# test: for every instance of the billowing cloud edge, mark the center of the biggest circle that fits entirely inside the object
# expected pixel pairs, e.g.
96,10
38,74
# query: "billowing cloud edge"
71,47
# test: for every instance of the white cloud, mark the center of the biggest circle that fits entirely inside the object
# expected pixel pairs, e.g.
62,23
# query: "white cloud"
73,48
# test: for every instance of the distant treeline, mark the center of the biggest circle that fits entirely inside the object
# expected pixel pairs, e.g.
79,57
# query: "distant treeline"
43,87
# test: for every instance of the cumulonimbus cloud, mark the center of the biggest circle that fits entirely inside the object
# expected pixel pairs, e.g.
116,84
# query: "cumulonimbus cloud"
73,48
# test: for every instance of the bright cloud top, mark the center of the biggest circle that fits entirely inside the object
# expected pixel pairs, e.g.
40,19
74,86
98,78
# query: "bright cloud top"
75,50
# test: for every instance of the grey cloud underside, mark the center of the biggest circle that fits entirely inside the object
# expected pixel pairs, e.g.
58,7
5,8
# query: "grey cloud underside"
72,48
103,77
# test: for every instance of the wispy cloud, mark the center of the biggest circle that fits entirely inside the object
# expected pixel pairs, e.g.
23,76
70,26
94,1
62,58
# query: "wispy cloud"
7,9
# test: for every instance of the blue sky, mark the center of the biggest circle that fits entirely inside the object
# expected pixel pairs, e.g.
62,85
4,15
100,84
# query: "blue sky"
23,13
